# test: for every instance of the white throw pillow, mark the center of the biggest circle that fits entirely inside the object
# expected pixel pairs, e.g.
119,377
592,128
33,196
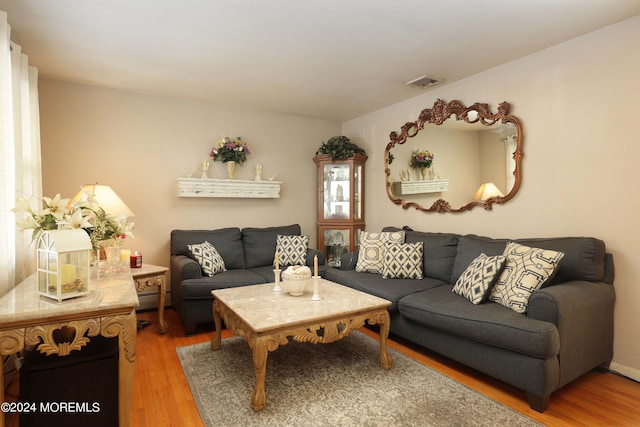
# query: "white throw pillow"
402,260
525,271
292,250
476,281
208,257
371,252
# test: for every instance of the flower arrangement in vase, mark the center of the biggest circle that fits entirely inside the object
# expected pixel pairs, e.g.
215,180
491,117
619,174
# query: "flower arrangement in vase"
422,159
86,214
231,151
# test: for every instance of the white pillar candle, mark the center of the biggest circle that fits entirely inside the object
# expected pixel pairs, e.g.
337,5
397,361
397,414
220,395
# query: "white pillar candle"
68,273
277,261
315,266
125,255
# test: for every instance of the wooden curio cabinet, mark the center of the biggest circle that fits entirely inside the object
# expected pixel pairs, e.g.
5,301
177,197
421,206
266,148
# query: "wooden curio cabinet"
340,213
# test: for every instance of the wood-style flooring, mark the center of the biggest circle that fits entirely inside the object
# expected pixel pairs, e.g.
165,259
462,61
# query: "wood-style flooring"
162,397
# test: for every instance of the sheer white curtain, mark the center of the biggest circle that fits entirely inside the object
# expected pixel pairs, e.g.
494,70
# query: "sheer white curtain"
20,165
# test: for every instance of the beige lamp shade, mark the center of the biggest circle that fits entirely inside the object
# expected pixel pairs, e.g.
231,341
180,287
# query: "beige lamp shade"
486,191
106,198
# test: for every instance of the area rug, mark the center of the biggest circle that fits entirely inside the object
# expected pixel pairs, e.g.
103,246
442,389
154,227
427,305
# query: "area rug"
338,384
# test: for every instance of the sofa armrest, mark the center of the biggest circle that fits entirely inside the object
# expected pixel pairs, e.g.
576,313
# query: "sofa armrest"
583,313
183,267
311,253
348,261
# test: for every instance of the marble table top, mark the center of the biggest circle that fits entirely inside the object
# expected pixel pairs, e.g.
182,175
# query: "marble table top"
24,305
263,309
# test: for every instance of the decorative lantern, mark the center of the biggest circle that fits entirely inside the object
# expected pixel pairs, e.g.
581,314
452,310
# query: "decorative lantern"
63,263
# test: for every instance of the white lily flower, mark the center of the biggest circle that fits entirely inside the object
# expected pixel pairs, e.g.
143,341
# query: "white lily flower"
29,223
56,206
22,205
78,220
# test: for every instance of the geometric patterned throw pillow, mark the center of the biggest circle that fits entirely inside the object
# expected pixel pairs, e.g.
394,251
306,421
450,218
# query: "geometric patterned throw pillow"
208,257
371,252
525,271
476,281
402,261
292,250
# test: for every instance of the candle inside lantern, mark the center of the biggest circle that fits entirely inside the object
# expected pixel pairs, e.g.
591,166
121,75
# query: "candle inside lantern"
315,266
125,255
277,261
68,273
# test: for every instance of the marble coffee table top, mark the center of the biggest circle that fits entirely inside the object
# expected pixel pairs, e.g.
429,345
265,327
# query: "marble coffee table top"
263,309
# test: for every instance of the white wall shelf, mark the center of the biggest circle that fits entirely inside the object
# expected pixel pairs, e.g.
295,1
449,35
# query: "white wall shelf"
230,188
403,188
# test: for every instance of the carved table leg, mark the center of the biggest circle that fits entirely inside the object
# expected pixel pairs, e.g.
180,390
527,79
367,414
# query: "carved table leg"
216,340
385,359
259,345
162,291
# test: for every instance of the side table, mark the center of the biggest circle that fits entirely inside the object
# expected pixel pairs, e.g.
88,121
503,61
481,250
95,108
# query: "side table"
153,275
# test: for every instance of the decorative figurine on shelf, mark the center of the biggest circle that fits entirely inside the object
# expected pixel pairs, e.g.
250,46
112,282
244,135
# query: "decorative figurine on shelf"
205,167
258,170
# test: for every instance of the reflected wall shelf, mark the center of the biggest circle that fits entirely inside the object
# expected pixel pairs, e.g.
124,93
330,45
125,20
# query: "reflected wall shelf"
230,188
403,188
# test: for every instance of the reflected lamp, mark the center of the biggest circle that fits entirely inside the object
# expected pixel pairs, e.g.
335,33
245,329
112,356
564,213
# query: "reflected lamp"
486,191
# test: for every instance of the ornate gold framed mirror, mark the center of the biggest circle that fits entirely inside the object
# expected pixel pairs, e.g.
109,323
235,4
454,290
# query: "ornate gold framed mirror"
454,158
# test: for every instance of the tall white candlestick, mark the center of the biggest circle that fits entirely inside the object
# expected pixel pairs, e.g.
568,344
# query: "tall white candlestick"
316,296
315,266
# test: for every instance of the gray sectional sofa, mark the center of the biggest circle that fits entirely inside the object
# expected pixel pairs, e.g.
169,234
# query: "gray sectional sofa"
248,256
566,331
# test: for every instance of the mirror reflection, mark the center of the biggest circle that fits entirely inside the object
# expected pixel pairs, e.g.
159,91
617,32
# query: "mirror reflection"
454,158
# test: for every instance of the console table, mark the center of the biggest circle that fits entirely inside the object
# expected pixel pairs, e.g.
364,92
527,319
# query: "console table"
27,319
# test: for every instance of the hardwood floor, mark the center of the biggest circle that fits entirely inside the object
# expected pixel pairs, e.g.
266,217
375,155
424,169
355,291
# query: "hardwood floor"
162,397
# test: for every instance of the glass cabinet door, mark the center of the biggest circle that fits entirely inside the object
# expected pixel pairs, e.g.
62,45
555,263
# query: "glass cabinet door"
357,192
336,243
337,192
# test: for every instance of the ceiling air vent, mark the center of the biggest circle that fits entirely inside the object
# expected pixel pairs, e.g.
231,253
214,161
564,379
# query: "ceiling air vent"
423,82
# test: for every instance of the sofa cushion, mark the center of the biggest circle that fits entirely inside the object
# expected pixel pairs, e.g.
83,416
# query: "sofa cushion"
201,288
402,261
208,257
487,323
525,271
227,242
584,257
372,283
476,281
371,252
292,250
439,252
260,243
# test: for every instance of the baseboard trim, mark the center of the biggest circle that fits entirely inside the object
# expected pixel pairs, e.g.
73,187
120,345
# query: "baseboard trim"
634,374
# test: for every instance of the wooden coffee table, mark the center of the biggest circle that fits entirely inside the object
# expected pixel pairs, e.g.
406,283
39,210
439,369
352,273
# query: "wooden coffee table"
266,319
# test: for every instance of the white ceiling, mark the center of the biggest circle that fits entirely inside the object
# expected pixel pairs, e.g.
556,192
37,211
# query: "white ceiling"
331,59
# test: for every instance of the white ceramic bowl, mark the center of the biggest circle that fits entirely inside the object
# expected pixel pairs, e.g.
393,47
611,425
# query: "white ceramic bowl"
296,280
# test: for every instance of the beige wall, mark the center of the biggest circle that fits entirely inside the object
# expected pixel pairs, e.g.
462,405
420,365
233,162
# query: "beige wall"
139,144
579,104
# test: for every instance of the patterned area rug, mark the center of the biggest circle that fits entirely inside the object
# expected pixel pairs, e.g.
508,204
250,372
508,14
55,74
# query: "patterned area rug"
338,384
